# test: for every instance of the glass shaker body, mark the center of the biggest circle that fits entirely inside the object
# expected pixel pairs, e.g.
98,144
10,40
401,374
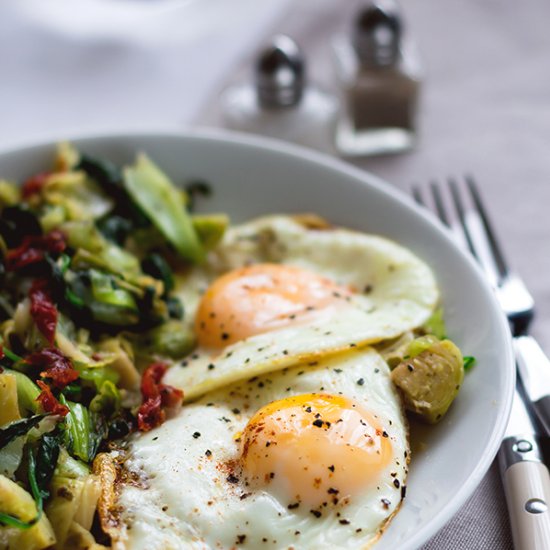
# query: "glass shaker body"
379,103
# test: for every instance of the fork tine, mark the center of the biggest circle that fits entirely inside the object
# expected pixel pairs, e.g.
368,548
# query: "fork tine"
475,233
417,195
460,210
439,206
500,262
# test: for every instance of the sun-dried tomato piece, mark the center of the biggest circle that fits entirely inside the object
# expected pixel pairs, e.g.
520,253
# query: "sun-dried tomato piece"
34,248
57,367
150,414
34,184
156,395
43,310
170,396
150,380
48,401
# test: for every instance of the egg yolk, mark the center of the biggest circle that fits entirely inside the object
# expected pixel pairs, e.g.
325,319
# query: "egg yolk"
259,298
315,450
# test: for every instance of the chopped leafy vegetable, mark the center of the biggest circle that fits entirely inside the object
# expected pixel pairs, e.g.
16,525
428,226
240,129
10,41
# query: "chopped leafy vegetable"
196,189
27,392
469,362
12,521
88,258
80,436
46,458
156,195
107,401
115,228
210,229
156,266
18,428
436,325
171,339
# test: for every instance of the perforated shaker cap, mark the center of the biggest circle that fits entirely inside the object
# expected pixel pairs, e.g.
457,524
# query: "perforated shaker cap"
280,73
376,34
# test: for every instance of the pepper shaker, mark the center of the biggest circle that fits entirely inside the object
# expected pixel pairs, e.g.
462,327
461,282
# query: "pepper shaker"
279,102
380,81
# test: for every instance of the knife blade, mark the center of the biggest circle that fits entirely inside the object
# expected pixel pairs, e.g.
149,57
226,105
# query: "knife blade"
526,481
534,370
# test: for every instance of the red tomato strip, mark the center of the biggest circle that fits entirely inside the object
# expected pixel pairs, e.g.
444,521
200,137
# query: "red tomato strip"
33,249
34,184
43,310
57,367
156,395
48,401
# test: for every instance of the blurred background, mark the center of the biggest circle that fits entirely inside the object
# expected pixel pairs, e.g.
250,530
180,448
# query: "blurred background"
116,65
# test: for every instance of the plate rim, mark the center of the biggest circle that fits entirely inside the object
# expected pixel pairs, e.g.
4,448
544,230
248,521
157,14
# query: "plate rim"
437,522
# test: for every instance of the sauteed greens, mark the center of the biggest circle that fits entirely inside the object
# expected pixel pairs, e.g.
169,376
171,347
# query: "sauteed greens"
88,320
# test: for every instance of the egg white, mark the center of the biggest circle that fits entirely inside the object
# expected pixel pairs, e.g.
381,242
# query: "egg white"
184,499
395,292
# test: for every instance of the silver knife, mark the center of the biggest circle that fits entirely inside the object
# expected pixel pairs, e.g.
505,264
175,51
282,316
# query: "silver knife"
534,370
526,481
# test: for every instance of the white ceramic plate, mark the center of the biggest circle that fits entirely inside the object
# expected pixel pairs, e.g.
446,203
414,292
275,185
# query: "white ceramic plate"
253,176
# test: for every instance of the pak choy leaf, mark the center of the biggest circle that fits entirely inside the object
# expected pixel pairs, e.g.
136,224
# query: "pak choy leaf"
156,195
18,428
47,456
83,430
110,179
156,266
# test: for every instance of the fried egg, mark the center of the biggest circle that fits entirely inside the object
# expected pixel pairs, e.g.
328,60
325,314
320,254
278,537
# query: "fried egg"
278,292
314,456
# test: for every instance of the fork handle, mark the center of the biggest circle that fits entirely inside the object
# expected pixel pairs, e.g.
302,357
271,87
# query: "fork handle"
527,489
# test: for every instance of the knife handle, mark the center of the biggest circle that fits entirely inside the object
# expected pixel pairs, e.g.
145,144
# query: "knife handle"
534,369
542,410
527,489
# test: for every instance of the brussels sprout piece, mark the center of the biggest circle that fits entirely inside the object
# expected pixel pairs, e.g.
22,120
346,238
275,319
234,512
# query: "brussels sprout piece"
393,351
172,339
430,381
418,345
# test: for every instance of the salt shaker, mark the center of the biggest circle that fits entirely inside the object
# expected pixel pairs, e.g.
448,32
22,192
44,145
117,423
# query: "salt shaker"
279,102
380,80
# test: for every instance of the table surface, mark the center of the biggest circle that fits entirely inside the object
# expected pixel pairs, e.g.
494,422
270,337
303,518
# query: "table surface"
485,111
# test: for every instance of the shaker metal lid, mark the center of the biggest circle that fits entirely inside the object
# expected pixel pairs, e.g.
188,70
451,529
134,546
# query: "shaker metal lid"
280,73
377,32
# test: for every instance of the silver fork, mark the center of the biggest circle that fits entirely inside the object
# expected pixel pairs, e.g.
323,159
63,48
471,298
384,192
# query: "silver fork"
525,477
473,226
